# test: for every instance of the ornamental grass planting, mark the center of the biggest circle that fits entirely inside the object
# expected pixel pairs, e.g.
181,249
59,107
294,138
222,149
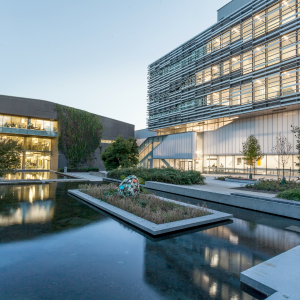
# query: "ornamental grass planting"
144,205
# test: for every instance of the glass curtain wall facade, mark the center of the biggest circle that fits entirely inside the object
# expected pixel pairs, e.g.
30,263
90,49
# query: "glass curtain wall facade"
36,151
245,65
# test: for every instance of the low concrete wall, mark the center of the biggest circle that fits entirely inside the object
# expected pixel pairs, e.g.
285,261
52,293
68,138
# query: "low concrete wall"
285,208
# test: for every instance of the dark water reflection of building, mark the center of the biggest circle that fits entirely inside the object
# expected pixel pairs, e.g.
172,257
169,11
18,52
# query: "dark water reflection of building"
207,264
28,211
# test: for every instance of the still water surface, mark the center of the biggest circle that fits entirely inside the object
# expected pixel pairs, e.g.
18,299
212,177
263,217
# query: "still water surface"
52,246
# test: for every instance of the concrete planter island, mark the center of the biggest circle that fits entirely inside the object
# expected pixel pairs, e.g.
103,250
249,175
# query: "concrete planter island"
152,228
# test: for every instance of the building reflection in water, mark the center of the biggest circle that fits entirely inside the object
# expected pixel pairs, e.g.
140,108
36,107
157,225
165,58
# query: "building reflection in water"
207,264
30,204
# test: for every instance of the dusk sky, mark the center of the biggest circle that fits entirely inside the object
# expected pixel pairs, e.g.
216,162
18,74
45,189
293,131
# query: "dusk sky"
94,54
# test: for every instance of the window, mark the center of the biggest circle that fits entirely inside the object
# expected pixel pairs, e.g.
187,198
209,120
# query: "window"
259,24
247,62
288,11
199,77
288,42
273,52
235,63
207,74
273,17
259,57
247,30
216,43
225,97
6,121
215,71
259,90
235,96
15,122
216,98
226,67
273,86
246,93
235,33
288,83
225,39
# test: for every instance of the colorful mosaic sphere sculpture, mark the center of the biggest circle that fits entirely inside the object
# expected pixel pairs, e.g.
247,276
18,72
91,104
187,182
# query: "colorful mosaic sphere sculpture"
129,187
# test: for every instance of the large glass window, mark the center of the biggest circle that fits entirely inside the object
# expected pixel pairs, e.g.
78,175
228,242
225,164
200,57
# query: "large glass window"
235,95
15,122
6,121
259,24
235,33
37,160
235,63
259,90
247,62
288,82
225,97
207,74
246,93
273,52
37,144
288,11
247,30
273,86
239,164
225,39
226,67
215,71
273,17
288,43
259,57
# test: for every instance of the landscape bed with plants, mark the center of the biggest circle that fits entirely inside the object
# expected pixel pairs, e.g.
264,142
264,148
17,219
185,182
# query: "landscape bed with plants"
289,191
166,175
144,205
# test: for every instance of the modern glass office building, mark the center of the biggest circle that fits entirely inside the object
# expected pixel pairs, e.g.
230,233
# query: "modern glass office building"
239,77
34,124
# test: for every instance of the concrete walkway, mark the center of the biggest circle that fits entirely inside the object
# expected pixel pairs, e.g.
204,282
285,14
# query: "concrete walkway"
83,175
277,277
225,187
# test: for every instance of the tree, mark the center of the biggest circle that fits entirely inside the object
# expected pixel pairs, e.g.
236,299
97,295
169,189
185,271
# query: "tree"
296,130
252,152
283,149
122,153
10,156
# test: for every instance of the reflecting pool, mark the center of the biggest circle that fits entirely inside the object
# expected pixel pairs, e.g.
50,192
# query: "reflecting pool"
34,175
53,246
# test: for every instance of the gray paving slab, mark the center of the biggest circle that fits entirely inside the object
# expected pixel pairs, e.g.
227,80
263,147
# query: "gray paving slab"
277,277
152,228
83,175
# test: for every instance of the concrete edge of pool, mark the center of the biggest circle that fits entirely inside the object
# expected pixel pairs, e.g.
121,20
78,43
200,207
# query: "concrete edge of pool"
277,277
40,181
280,207
152,228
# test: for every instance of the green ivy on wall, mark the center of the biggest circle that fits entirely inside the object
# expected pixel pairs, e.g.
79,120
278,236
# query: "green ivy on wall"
79,134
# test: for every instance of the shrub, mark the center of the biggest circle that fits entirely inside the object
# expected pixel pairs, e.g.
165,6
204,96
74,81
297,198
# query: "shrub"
220,178
273,185
167,175
293,194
